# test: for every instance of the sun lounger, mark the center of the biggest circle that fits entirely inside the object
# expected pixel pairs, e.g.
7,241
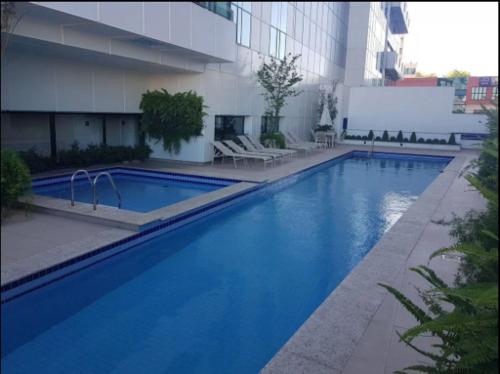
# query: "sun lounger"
250,145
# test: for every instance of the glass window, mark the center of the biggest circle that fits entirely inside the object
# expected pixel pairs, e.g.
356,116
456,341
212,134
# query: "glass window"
283,16
282,45
228,127
273,42
242,20
494,93
275,13
478,93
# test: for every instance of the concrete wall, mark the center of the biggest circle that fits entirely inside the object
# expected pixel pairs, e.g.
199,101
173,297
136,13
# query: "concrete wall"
180,24
421,109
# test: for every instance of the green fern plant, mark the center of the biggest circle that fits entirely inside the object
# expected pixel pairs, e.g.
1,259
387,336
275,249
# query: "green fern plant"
464,317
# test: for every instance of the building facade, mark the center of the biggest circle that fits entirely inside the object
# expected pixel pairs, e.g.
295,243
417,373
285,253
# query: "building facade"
76,71
375,43
471,93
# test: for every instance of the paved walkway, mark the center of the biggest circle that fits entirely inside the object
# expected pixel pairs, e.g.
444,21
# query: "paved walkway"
29,234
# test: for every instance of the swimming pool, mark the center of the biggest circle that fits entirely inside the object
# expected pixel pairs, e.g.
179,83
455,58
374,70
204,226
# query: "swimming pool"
224,293
141,190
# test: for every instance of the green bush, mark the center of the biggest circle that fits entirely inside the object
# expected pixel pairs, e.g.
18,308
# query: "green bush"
274,139
442,141
364,137
378,138
370,135
399,137
421,140
75,157
452,139
405,140
385,136
172,118
428,141
413,137
435,141
15,179
392,139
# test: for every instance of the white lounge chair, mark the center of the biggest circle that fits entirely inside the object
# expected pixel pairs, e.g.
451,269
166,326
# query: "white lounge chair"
292,144
235,147
297,140
220,150
246,155
250,144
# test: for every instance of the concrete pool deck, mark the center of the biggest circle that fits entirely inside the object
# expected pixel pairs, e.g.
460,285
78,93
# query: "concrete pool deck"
355,325
353,330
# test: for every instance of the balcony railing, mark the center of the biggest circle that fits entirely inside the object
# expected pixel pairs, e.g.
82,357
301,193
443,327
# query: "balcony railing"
222,8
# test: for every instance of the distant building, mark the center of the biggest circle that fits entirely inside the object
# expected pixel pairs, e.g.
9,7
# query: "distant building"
470,92
409,70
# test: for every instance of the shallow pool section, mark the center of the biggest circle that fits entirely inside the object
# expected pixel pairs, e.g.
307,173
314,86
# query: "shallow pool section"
224,293
141,190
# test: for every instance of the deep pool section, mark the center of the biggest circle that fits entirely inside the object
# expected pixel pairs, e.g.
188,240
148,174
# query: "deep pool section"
140,193
220,295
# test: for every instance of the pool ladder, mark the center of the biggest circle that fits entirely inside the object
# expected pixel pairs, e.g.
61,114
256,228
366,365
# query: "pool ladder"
370,152
93,186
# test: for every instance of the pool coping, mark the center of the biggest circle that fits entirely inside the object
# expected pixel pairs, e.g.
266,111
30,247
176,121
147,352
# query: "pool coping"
326,340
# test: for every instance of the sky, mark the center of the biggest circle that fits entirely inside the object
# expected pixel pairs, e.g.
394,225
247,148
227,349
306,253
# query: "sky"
444,36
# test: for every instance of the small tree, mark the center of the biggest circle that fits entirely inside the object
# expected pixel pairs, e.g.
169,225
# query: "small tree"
399,137
458,74
413,137
385,136
370,135
278,79
452,140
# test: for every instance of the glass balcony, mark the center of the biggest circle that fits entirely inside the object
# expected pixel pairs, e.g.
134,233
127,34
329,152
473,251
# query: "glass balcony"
400,21
222,8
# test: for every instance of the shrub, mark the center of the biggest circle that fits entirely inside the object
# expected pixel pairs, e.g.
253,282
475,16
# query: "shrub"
275,139
413,137
370,135
442,141
392,139
385,136
92,155
378,138
15,179
35,162
399,137
421,140
358,137
452,140
435,141
365,138
406,140
428,141
172,118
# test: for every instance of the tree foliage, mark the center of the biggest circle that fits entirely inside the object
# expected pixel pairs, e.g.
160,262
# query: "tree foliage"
458,74
278,78
10,17
15,181
464,316
172,118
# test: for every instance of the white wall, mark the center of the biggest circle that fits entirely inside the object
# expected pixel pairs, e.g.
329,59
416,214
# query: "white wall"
420,109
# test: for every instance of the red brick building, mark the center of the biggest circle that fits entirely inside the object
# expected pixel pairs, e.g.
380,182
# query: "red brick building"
470,93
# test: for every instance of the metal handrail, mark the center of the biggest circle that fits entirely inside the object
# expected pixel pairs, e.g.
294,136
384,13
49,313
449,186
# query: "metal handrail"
72,181
372,146
94,190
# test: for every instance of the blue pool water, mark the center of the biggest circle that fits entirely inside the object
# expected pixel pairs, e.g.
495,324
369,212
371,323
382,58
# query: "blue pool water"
222,294
139,193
